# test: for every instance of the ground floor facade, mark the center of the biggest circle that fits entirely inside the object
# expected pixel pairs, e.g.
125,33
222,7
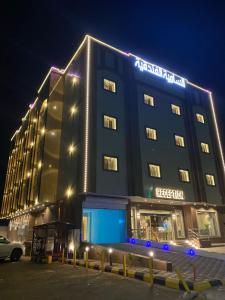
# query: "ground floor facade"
153,220
103,219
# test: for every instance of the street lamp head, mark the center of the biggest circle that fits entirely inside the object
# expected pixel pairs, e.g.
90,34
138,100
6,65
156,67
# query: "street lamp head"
87,249
110,250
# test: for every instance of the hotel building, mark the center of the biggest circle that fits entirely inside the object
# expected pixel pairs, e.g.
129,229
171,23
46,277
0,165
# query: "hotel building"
120,148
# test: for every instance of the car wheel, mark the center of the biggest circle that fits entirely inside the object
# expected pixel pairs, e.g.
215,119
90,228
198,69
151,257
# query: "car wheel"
16,254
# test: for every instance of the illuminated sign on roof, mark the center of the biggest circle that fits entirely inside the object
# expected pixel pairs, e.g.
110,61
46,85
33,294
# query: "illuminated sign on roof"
160,72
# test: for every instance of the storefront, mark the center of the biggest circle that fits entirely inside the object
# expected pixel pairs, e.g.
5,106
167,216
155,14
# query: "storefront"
166,221
208,223
158,223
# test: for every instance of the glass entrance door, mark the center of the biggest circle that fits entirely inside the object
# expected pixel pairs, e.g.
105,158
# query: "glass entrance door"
156,227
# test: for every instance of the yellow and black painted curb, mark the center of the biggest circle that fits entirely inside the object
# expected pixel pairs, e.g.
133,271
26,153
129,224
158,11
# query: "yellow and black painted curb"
169,282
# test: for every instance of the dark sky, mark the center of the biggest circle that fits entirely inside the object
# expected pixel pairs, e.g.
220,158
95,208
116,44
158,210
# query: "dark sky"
187,37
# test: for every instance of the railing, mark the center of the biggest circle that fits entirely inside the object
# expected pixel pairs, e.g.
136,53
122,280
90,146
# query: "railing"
193,236
150,234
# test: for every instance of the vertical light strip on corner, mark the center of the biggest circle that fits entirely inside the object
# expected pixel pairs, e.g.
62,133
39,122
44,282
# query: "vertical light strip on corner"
86,125
215,122
217,131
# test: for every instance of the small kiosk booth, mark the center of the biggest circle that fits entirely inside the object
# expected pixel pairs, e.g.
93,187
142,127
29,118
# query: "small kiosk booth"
51,239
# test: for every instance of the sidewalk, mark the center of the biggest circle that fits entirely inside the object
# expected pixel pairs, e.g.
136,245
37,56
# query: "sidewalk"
166,279
207,268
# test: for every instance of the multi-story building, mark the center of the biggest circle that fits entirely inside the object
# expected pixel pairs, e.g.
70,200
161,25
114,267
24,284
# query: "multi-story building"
119,147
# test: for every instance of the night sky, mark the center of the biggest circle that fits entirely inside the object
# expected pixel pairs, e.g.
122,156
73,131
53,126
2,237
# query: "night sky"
185,37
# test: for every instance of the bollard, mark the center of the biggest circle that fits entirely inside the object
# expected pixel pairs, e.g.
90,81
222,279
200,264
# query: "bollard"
49,259
151,271
151,279
63,252
188,295
110,251
102,260
74,257
86,256
124,265
194,272
180,277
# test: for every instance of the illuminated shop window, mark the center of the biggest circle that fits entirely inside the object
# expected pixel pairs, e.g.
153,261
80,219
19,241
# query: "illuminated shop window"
200,118
109,85
179,141
151,133
175,109
208,224
149,100
210,179
184,175
110,163
110,122
205,147
154,170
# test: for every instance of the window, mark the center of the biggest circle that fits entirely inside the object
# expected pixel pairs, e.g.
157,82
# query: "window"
179,141
200,118
110,163
205,147
184,175
208,224
110,122
175,109
154,170
210,179
149,100
151,133
109,85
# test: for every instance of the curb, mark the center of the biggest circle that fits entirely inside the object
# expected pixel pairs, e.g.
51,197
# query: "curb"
168,282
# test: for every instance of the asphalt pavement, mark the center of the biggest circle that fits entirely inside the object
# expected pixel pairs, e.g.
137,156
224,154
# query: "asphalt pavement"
25,280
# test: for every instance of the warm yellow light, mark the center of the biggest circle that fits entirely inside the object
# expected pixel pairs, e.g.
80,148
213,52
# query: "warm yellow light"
74,80
54,107
73,110
28,174
39,165
43,131
31,144
36,201
69,192
45,104
71,246
71,149
34,120
151,253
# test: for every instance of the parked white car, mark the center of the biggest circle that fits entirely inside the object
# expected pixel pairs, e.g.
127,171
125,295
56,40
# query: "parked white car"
10,250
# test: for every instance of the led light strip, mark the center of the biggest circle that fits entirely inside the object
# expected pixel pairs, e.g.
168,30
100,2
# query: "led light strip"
217,131
108,46
86,130
75,54
46,77
215,122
